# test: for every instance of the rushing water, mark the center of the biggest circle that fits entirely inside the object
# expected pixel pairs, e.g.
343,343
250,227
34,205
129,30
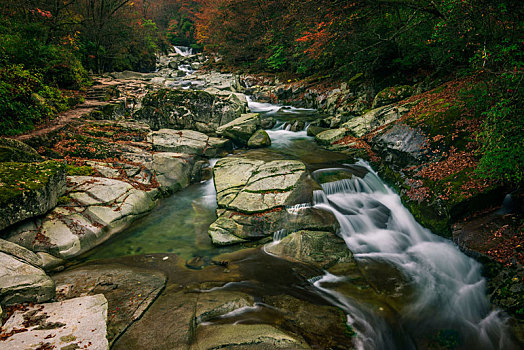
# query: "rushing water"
433,295
444,289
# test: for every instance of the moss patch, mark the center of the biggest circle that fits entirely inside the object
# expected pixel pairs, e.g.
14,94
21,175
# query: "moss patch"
18,178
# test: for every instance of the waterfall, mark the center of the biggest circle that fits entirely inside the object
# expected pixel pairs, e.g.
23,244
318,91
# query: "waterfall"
449,291
183,50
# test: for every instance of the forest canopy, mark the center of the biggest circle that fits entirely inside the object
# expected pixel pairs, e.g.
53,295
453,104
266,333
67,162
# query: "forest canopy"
47,48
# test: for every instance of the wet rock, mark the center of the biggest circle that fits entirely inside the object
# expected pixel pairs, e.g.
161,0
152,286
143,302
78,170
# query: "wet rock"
190,109
97,209
323,326
21,282
331,175
329,136
392,94
360,126
246,336
241,129
232,227
259,139
257,198
213,305
29,189
188,141
322,249
313,130
50,262
129,291
72,324
16,151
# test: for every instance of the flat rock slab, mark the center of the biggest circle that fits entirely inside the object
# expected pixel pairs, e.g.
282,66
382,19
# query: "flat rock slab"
78,323
21,282
98,208
188,141
252,186
128,290
20,253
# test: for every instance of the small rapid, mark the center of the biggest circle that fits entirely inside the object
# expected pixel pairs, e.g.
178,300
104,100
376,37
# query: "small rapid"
447,290
442,291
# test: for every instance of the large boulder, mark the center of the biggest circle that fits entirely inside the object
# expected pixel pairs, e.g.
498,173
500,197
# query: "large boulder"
29,189
173,170
241,129
190,109
392,94
329,136
21,282
16,151
252,186
324,250
360,126
188,141
259,139
96,209
258,198
78,323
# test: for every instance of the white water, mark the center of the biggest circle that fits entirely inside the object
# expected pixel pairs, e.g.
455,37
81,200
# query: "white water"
183,50
449,290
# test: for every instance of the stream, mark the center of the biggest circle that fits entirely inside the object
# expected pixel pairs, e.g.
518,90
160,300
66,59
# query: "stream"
430,287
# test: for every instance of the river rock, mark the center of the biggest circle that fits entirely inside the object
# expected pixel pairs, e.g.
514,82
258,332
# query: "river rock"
173,170
360,126
402,145
188,141
257,198
245,336
233,227
252,186
190,109
12,150
329,136
313,130
21,282
50,262
324,250
259,139
97,209
29,189
20,253
241,129
392,94
128,290
78,323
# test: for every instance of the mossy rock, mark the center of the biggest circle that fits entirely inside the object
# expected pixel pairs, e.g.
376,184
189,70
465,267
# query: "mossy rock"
16,151
392,94
29,189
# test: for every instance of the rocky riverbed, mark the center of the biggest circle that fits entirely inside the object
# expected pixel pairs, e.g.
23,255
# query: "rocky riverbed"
69,188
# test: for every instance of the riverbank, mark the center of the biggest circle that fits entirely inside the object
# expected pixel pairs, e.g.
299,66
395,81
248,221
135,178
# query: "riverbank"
156,154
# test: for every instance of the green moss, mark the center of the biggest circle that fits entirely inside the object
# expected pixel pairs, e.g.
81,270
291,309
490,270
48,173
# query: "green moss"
8,154
79,170
17,178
